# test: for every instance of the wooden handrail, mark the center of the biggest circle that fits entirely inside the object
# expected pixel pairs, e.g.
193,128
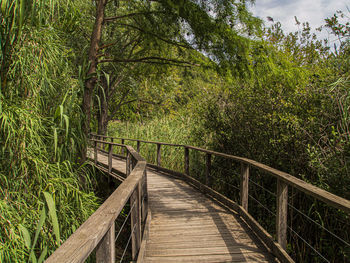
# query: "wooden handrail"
284,180
98,231
323,195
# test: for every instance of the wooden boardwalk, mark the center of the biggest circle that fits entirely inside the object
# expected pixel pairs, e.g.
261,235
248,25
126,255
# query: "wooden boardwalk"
187,226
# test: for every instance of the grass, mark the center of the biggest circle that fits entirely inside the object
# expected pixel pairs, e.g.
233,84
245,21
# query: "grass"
171,129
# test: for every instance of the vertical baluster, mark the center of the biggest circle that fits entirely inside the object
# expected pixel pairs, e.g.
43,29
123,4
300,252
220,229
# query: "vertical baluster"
105,250
95,152
158,155
138,146
110,160
135,203
282,212
187,161
145,197
244,185
128,163
122,147
101,143
208,170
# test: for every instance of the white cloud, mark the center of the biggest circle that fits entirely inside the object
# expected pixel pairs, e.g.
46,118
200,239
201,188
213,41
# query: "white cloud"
312,11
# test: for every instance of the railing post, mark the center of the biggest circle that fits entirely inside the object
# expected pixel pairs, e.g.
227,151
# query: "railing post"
102,145
128,163
244,185
112,139
135,204
95,152
282,211
145,197
158,155
105,250
208,170
138,146
122,147
105,145
110,160
187,161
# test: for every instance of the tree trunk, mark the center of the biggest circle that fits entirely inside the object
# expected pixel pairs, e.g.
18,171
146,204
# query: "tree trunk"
102,123
91,77
102,114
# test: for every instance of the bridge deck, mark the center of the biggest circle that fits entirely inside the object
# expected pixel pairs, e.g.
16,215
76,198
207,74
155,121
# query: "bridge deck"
187,226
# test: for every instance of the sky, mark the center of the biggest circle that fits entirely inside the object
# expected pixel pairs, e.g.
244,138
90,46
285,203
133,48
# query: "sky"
312,11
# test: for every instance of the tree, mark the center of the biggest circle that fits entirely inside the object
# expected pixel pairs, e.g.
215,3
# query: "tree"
219,29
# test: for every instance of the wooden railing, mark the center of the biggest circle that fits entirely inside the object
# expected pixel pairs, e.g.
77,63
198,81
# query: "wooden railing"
285,181
98,231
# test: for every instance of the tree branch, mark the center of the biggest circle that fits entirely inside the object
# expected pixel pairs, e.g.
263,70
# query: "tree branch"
111,19
119,104
131,101
159,37
151,59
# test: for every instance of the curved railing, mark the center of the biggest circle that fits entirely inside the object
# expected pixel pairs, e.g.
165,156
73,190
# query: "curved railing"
285,183
98,233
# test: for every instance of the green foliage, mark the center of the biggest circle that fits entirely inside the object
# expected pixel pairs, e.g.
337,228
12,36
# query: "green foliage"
40,135
292,115
173,129
26,236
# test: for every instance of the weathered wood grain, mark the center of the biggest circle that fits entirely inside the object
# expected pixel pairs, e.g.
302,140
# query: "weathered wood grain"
174,201
244,185
189,227
282,208
105,250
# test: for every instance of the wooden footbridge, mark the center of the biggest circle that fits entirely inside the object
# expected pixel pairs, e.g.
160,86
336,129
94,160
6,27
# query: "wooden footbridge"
173,217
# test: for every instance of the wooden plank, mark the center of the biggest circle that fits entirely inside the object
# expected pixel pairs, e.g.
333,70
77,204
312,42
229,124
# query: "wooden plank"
194,243
201,224
203,239
282,210
203,259
255,257
192,251
105,250
244,186
195,232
